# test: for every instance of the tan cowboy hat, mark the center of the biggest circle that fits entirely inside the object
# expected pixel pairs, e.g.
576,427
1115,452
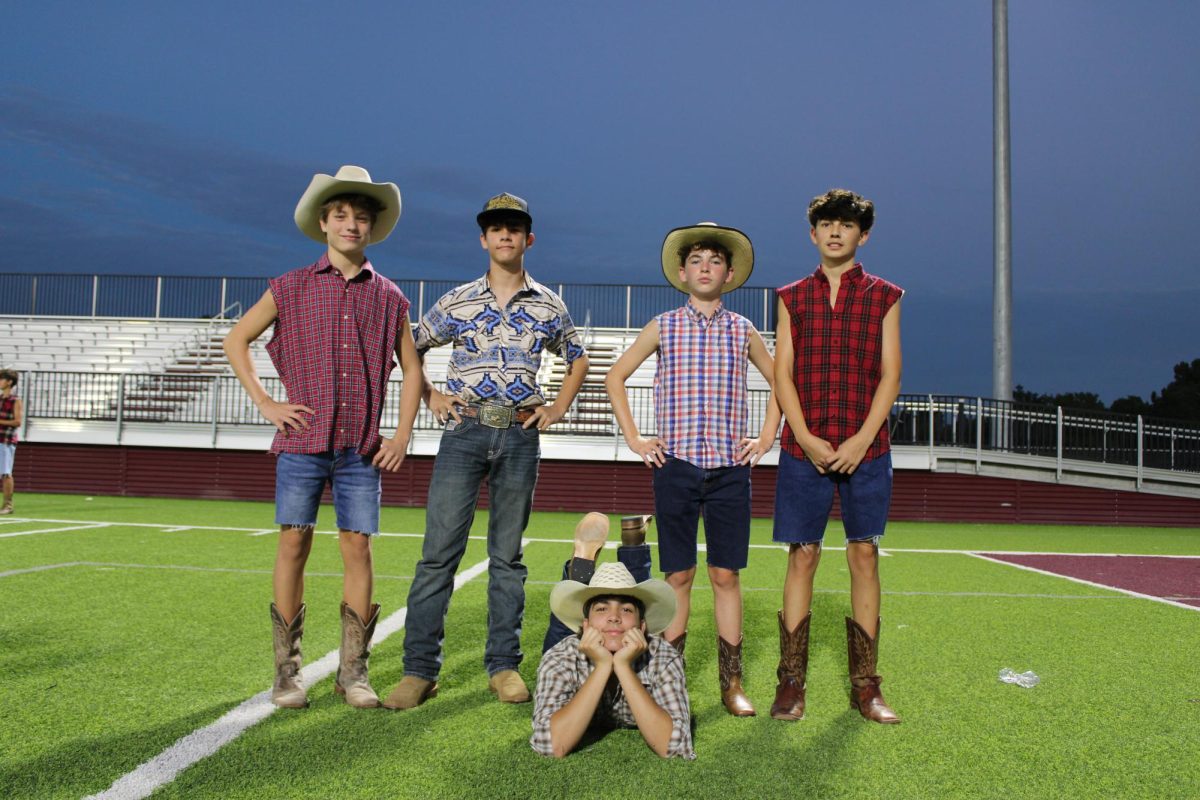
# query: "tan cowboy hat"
349,180
567,597
738,243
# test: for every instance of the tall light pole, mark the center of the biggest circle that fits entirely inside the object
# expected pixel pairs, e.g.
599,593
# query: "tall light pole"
1002,384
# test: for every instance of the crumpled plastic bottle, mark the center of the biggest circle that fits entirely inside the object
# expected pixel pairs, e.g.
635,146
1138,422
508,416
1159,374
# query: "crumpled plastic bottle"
1027,680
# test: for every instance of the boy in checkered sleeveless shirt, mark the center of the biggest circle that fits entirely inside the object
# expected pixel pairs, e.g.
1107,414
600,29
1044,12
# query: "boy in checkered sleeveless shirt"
339,326
702,455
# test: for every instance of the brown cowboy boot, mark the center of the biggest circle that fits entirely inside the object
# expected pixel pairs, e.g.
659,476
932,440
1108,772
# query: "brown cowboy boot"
633,529
792,671
864,680
351,680
288,690
729,664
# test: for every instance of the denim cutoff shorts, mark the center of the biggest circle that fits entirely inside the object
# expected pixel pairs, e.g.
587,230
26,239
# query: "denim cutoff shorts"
8,454
804,498
300,480
682,493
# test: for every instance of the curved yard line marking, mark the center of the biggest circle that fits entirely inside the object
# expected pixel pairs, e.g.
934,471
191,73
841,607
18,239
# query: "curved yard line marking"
41,568
202,743
1031,553
90,526
1129,592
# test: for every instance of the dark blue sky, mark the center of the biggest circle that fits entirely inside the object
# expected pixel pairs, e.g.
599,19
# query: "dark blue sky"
149,137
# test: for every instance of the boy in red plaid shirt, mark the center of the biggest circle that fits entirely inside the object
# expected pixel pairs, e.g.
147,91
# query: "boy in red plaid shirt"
338,328
837,374
702,454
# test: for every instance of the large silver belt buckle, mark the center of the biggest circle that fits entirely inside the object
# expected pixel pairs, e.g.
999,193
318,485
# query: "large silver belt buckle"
495,416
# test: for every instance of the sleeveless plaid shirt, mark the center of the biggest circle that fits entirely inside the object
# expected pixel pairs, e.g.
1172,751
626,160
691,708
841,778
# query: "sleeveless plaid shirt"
8,410
838,354
700,385
333,346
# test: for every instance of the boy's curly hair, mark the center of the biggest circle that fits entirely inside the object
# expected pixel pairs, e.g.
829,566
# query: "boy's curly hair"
842,205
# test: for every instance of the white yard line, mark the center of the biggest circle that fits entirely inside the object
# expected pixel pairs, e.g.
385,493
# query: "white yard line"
187,568
979,550
174,525
206,741
1129,592
191,568
89,526
41,568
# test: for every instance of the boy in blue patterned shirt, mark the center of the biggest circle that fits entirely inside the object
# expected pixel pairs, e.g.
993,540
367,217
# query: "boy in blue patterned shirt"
494,412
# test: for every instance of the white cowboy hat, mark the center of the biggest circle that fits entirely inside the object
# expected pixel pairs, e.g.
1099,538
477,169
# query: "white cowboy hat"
740,248
567,597
349,180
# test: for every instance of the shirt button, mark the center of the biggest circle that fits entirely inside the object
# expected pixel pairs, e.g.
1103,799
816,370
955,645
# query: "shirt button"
344,346
343,375
345,316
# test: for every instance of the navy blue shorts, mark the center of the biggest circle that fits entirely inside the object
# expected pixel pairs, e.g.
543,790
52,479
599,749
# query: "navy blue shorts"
682,493
804,498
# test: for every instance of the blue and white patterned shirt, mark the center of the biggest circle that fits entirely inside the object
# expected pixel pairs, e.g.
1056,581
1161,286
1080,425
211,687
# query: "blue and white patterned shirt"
497,352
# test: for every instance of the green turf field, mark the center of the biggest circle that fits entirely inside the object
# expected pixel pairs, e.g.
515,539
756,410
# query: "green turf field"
124,630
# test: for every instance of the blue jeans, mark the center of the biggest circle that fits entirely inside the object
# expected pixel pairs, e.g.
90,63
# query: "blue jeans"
300,480
470,452
636,558
804,498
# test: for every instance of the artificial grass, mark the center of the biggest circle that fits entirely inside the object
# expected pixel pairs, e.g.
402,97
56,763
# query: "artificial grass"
104,667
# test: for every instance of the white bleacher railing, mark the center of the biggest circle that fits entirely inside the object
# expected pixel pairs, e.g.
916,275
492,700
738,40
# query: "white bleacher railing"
191,297
968,425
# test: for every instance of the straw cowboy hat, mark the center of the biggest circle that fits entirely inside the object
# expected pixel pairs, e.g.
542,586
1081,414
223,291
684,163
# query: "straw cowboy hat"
567,597
349,180
737,242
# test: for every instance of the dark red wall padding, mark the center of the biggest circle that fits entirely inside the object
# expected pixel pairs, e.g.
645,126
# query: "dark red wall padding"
581,486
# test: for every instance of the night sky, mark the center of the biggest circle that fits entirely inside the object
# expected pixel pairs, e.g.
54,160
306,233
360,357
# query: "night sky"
163,138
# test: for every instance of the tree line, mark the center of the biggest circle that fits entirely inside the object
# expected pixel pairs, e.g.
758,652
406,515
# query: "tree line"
1179,399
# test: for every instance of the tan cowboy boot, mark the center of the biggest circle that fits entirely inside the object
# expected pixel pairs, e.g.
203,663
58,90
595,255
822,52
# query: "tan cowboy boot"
590,534
792,671
288,690
508,687
864,680
410,693
729,664
351,680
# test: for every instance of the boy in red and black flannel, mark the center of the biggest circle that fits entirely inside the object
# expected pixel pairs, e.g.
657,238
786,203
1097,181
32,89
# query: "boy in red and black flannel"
339,326
837,374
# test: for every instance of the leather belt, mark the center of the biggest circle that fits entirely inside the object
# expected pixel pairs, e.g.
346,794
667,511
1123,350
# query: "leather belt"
496,416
